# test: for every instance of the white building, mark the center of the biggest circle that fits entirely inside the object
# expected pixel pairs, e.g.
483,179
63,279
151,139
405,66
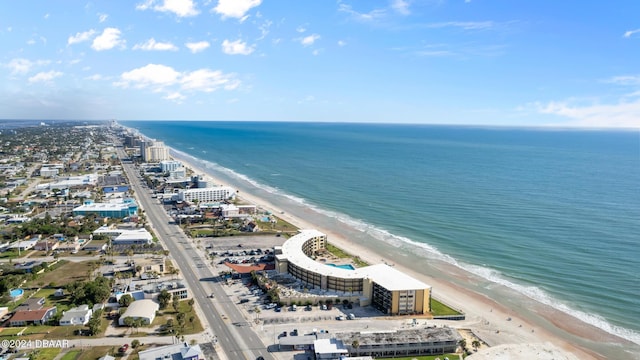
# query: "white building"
48,172
133,237
218,193
182,351
125,236
70,181
169,165
76,316
154,151
140,309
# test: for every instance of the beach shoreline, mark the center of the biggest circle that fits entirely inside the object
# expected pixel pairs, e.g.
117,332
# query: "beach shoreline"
486,317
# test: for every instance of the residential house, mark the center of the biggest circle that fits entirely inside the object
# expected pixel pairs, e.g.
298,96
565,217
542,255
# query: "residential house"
32,317
76,316
30,304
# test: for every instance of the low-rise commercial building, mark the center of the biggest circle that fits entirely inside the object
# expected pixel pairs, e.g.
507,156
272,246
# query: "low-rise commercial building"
140,309
182,351
401,343
120,210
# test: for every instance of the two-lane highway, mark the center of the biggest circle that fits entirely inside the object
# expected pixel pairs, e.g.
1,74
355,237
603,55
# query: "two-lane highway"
237,342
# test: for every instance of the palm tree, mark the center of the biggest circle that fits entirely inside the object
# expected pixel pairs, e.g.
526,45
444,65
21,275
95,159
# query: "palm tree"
476,344
355,344
463,344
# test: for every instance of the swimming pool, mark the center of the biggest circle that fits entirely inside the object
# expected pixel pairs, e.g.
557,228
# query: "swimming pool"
345,266
16,293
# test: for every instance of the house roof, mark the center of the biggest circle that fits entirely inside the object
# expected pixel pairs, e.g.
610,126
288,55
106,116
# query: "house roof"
245,269
30,315
141,309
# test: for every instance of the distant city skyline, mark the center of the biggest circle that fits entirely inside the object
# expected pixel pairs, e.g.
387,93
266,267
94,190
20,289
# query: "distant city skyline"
456,62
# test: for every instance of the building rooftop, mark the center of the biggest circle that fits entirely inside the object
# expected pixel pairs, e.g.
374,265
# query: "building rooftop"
384,275
329,346
172,352
424,335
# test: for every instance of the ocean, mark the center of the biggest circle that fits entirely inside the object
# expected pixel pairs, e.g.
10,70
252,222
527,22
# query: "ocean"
552,214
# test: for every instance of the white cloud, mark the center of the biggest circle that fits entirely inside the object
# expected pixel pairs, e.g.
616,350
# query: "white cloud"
197,47
309,40
102,17
342,43
162,78
46,16
370,16
96,77
23,66
208,80
182,8
31,42
237,47
400,6
301,29
175,96
621,114
625,80
149,75
630,33
153,45
109,39
464,25
264,29
45,76
235,8
80,37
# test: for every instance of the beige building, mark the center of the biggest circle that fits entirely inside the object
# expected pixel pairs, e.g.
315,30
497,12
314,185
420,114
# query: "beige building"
381,286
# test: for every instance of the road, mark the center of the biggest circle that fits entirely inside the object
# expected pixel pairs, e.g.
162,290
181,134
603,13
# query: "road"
237,341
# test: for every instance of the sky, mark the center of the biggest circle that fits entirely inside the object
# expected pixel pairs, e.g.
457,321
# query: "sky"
473,62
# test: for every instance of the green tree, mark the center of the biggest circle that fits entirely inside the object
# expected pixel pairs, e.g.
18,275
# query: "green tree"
175,302
163,298
355,344
94,323
135,343
181,318
191,302
476,344
125,300
463,344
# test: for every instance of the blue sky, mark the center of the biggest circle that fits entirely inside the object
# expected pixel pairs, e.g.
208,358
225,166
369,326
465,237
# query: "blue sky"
499,62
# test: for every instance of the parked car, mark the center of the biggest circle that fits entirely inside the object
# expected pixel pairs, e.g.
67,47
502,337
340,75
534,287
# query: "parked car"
123,348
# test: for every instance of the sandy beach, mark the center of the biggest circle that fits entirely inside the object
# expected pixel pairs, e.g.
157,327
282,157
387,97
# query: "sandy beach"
495,324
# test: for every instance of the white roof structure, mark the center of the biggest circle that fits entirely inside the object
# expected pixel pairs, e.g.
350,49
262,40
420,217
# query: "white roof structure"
382,274
174,352
145,309
128,236
329,346
103,207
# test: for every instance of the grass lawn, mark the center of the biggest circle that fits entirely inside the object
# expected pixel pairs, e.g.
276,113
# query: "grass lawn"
66,273
426,357
10,254
71,355
439,309
169,313
339,253
45,354
95,352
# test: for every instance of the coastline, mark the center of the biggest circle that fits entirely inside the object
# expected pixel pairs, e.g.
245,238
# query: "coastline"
531,322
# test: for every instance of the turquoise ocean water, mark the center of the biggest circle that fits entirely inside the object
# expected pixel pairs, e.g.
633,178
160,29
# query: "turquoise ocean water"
552,214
